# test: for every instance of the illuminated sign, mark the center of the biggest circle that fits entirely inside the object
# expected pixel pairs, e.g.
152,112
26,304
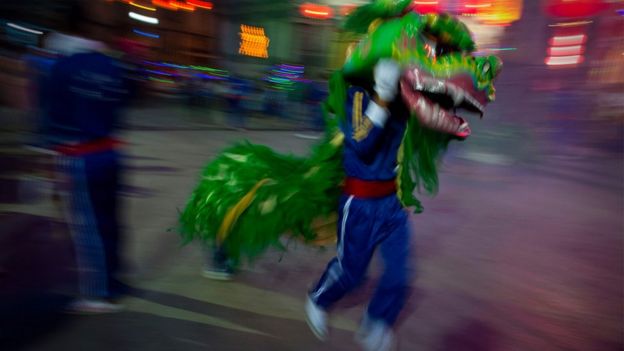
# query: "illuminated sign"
174,5
424,7
566,50
316,11
165,4
501,12
575,8
253,42
182,6
207,5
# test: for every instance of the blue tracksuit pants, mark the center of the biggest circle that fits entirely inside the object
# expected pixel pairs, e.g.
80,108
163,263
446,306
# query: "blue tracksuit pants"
364,225
92,185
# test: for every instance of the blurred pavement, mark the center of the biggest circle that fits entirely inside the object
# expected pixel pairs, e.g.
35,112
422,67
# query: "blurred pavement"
521,249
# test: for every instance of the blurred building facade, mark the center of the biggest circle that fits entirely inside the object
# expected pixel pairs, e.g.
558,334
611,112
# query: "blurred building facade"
249,37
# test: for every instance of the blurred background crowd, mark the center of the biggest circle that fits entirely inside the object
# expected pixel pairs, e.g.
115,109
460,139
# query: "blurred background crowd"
274,60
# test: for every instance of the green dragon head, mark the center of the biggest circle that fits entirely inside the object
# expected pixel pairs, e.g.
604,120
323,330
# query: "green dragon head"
441,74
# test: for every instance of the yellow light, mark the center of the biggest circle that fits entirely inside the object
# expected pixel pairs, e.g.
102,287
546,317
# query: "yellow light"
253,42
142,6
570,24
478,6
501,12
317,13
201,4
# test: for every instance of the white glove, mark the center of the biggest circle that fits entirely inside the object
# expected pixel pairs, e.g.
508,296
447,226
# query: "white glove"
387,73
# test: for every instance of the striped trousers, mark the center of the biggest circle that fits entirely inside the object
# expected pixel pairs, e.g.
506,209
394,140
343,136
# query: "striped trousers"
90,183
363,226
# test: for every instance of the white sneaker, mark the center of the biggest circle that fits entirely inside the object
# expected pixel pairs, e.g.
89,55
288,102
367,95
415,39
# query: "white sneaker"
92,306
317,319
375,336
217,274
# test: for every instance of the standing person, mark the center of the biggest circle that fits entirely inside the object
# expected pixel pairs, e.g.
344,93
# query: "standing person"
87,92
313,109
234,97
39,62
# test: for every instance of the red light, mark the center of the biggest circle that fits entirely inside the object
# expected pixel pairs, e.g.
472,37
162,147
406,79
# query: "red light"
164,4
182,6
575,8
347,9
470,7
565,50
424,7
201,4
316,11
564,60
568,40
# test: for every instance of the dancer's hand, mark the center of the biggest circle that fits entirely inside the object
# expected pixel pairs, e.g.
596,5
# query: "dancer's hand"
387,73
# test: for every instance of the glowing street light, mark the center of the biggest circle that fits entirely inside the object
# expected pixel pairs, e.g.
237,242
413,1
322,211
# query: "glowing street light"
143,18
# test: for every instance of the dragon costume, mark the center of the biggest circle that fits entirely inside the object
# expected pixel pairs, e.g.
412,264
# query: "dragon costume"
250,197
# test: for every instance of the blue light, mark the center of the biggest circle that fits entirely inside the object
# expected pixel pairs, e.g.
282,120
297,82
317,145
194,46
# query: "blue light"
173,65
146,34
159,73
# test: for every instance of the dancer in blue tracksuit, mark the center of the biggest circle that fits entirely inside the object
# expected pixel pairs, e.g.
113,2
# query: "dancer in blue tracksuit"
370,214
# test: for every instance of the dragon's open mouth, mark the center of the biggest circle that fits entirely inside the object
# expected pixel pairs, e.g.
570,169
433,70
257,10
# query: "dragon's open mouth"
437,102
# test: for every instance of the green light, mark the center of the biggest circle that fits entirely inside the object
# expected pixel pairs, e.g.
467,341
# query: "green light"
161,80
217,72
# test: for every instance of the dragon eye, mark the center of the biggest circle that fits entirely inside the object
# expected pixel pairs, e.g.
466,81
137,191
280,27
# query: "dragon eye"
486,68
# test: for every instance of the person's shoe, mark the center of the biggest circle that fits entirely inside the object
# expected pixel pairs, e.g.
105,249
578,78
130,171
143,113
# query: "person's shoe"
218,273
375,336
317,319
93,306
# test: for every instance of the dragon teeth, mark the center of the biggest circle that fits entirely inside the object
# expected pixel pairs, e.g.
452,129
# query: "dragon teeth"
433,85
474,102
456,93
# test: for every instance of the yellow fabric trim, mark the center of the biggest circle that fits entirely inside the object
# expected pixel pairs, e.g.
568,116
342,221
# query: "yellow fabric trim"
374,24
338,139
235,211
356,113
362,132
400,159
361,124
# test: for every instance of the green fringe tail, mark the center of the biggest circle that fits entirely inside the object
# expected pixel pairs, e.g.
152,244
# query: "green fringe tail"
297,190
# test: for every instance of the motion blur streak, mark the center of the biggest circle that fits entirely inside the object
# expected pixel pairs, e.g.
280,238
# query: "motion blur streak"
109,111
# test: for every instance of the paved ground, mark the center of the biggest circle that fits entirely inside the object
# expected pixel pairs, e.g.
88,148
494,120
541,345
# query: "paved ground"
521,249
